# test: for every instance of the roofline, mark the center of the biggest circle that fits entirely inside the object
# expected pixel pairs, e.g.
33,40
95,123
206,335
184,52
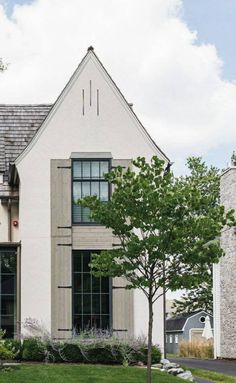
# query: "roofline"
199,312
80,67
131,109
49,104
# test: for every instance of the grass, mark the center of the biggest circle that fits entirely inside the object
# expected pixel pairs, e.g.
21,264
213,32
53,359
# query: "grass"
215,377
80,373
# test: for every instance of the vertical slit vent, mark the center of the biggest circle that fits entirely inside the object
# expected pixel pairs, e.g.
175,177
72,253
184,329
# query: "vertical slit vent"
97,102
90,88
83,101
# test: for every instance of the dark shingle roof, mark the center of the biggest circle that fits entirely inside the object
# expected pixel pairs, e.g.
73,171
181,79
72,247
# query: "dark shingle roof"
178,322
18,125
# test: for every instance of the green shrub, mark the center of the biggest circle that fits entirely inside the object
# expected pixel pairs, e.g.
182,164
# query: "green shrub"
108,350
33,349
15,346
5,354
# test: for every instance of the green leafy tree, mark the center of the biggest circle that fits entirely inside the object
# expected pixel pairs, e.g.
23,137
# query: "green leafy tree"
163,224
200,298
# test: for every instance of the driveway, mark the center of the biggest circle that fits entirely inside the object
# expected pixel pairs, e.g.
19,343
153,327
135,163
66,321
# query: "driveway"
223,366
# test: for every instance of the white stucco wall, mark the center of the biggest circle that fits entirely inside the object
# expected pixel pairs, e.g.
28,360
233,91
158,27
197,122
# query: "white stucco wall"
3,223
115,130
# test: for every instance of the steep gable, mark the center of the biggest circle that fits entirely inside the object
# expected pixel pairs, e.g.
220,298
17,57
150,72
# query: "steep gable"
93,98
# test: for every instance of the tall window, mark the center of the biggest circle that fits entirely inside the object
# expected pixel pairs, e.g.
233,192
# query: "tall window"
91,295
88,180
8,291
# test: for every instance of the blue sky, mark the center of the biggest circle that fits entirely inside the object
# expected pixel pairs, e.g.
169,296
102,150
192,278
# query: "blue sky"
215,22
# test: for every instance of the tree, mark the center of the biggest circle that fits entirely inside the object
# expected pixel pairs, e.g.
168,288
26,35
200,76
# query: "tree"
200,298
163,224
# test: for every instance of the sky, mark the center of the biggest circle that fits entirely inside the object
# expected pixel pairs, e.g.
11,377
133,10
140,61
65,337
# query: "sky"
175,60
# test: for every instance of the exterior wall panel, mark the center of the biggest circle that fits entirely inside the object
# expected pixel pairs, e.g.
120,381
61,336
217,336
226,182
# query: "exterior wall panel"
61,246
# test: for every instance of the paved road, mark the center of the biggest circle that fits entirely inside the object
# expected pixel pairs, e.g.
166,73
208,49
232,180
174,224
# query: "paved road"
224,366
201,380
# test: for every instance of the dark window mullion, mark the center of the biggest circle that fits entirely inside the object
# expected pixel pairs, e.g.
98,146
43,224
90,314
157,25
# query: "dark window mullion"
82,292
100,301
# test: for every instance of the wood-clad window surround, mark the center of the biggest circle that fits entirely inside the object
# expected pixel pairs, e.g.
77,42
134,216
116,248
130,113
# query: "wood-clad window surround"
88,180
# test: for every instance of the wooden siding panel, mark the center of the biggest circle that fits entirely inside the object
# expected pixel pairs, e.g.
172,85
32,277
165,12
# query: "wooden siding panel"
123,310
61,246
123,300
61,297
60,197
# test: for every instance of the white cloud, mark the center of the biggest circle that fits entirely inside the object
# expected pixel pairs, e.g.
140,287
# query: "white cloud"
175,84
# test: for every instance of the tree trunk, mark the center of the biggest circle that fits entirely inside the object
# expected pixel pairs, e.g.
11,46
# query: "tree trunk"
149,355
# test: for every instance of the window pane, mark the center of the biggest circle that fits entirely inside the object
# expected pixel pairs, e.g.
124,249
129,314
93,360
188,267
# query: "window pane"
8,262
104,191
96,322
77,213
86,261
7,323
7,284
77,258
77,303
105,285
87,322
103,168
105,303
86,169
86,214
7,305
105,322
95,169
96,284
77,323
77,169
95,188
85,189
77,283
76,191
87,282
87,304
96,304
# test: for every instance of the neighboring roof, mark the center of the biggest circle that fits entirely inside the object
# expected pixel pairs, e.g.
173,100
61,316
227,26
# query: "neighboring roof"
18,125
177,323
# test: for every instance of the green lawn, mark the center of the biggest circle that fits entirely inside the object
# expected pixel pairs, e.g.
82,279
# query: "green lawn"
215,377
72,373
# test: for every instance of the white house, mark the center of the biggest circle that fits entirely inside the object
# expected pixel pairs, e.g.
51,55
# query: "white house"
49,156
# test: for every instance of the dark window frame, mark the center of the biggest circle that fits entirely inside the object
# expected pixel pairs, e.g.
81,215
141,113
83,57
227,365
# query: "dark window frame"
74,314
12,251
108,160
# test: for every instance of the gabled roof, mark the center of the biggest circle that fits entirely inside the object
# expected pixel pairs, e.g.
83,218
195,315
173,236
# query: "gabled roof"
21,125
18,125
177,323
91,55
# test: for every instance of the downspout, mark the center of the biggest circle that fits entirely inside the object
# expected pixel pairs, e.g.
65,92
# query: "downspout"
9,220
